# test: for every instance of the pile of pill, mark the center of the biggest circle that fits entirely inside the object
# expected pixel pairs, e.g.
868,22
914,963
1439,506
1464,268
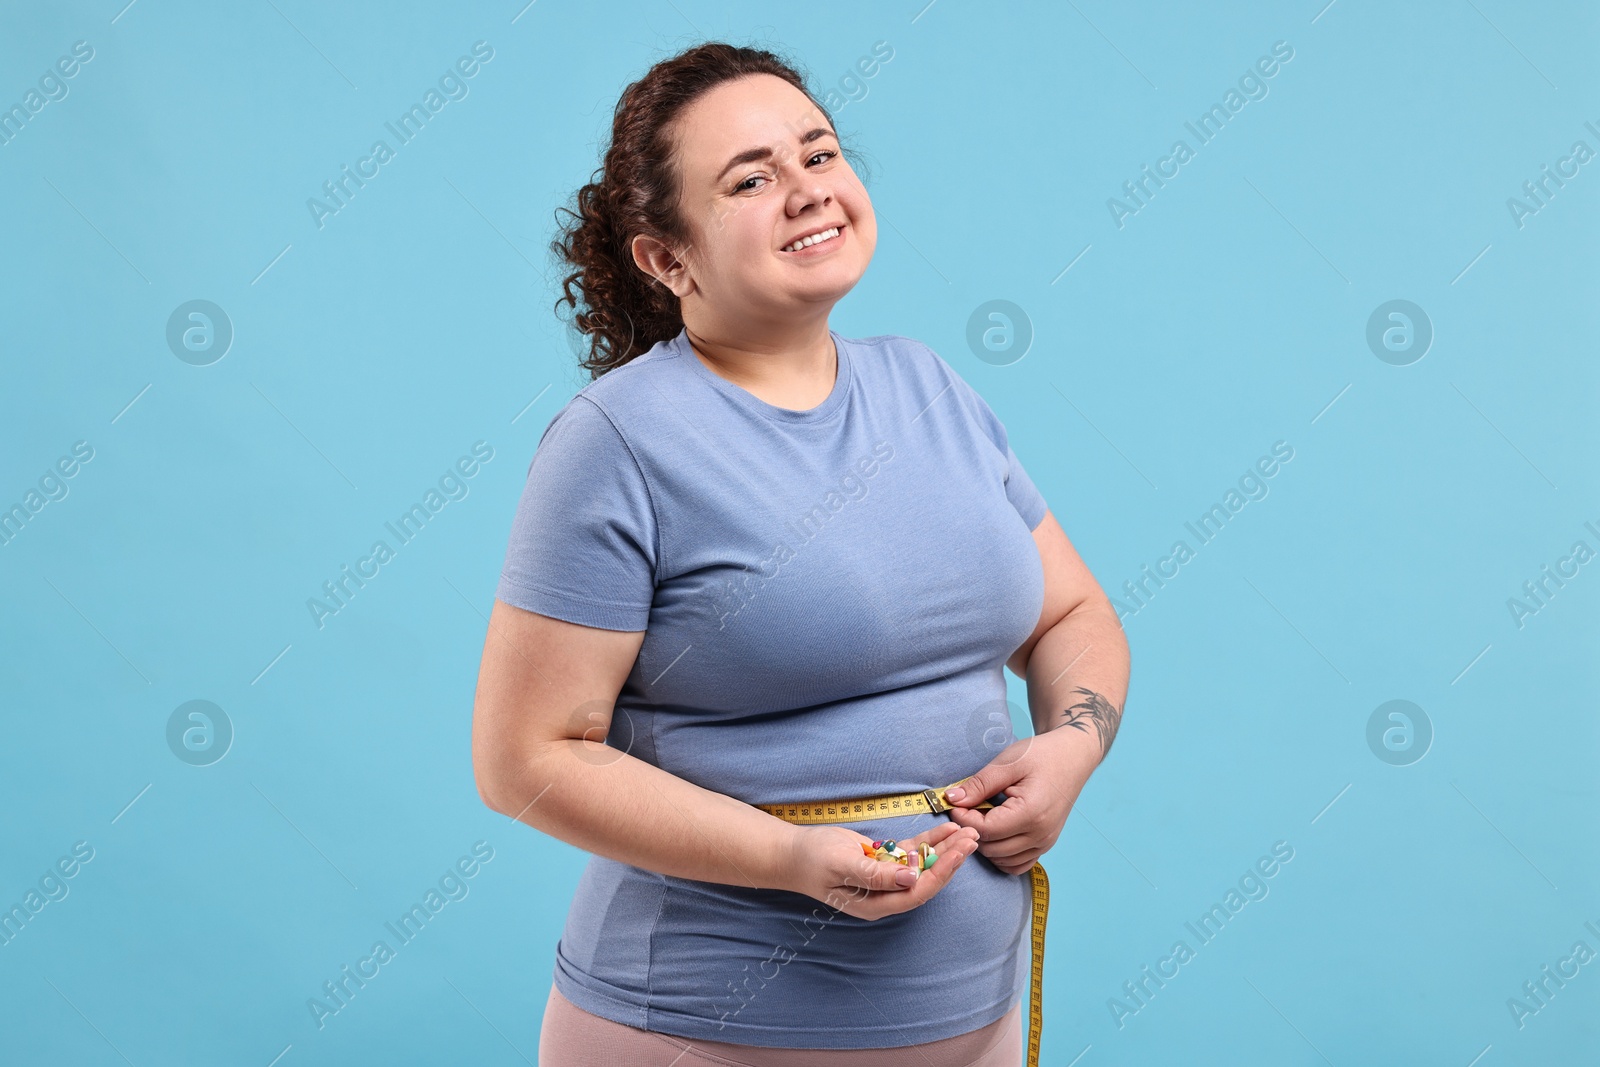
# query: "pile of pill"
892,852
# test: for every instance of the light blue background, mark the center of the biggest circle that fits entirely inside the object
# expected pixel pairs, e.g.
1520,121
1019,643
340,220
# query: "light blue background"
1228,314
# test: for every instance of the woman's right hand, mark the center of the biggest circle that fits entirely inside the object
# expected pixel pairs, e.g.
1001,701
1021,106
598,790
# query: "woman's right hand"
827,864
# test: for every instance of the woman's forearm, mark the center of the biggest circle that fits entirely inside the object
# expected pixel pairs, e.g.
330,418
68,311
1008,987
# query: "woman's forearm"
1077,676
609,803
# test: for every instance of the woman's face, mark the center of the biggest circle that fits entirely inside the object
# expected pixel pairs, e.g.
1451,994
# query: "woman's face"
760,167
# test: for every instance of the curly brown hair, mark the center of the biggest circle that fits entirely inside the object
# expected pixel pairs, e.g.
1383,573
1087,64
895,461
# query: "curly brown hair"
635,191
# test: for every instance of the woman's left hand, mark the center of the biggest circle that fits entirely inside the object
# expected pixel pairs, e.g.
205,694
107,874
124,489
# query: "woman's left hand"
1042,777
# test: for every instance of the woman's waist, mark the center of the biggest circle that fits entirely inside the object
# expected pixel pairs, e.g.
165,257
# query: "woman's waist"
981,911
735,956
820,767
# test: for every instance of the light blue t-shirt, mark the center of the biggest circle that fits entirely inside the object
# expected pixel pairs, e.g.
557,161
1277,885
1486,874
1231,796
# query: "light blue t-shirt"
828,598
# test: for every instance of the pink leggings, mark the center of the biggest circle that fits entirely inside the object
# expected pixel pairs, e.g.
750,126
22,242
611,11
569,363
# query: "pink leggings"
572,1037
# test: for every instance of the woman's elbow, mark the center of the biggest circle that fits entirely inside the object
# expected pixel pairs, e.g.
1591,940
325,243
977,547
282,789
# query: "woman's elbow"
493,766
510,777
484,792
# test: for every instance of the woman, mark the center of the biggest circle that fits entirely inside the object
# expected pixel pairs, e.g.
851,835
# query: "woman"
767,563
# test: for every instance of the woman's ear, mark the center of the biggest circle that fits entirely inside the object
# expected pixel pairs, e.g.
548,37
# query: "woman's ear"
657,260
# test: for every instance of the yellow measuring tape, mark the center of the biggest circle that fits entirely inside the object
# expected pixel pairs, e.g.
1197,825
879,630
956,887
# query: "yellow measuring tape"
932,801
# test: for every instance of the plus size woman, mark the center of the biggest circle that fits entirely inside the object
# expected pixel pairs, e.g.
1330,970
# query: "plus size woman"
759,562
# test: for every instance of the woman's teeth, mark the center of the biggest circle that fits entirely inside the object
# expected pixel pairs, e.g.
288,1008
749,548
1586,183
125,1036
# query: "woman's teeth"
806,242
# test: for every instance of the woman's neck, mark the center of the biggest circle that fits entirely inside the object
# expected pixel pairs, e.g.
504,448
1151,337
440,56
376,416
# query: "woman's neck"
795,371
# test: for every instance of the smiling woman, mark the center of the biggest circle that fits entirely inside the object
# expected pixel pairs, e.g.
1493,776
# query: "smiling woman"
724,419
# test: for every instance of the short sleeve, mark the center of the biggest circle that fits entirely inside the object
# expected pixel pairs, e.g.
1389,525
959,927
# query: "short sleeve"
1023,494
583,544
1020,490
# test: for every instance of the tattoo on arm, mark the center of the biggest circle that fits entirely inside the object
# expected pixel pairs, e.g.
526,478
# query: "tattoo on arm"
1095,710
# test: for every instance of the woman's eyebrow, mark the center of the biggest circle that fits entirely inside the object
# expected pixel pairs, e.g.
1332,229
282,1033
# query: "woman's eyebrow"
750,155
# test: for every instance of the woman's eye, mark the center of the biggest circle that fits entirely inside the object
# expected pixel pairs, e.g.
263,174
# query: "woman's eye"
744,185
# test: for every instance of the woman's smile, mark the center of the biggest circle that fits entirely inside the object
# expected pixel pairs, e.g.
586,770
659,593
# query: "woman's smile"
821,242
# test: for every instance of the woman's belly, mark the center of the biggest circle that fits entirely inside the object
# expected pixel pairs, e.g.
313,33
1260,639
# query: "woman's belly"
768,967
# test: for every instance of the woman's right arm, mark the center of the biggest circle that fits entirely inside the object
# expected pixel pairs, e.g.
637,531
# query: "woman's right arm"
546,689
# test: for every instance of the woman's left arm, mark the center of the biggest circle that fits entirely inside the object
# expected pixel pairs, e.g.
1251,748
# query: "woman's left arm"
1076,665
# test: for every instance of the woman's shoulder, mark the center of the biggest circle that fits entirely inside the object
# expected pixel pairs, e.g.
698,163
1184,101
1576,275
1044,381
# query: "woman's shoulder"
905,359
894,344
915,370
637,376
627,396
